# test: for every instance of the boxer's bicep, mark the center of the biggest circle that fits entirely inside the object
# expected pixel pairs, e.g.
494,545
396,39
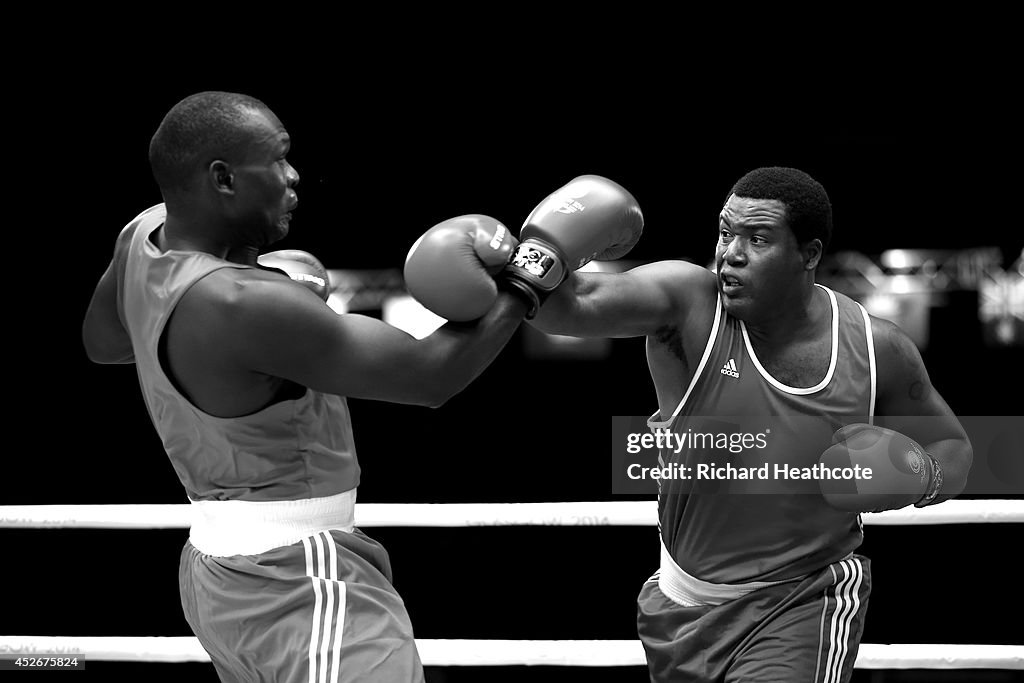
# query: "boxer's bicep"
904,386
909,403
283,333
629,304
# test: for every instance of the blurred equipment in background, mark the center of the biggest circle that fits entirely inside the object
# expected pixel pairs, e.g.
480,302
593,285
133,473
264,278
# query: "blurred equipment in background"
1002,305
364,290
916,288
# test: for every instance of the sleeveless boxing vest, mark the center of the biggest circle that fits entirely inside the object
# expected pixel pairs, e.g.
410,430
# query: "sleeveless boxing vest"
733,530
289,450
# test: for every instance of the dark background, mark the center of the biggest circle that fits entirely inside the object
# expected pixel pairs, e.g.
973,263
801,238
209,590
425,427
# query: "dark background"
385,157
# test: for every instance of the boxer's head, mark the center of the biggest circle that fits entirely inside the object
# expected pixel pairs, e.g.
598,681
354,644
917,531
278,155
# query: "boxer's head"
224,153
772,231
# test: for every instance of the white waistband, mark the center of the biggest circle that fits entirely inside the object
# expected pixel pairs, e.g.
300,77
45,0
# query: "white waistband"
242,527
689,591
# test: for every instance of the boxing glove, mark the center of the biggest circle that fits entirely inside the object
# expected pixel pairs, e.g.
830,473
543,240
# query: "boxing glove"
902,473
300,266
589,218
450,269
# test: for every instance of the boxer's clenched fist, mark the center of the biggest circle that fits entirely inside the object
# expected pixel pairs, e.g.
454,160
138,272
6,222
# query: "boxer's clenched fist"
589,218
450,269
300,266
902,473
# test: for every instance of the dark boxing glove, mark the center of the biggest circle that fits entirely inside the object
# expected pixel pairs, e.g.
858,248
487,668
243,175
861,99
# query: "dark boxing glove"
450,269
902,473
589,218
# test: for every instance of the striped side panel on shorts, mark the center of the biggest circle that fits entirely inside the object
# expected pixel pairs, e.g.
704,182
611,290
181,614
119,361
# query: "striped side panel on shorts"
328,620
837,621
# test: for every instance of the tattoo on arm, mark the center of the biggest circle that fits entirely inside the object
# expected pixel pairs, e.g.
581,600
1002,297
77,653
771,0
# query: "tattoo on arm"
908,371
918,390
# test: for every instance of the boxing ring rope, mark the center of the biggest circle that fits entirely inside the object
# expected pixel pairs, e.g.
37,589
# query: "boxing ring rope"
618,513
594,653
465,652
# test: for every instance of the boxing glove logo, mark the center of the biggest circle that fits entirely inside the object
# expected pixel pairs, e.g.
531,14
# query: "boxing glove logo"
499,237
567,203
915,459
570,206
915,462
306,277
533,261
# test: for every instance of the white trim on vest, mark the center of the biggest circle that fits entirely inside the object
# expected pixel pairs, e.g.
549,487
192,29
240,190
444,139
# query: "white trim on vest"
871,361
656,424
832,363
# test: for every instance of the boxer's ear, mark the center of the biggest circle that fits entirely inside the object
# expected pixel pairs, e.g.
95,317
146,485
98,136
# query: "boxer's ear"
812,251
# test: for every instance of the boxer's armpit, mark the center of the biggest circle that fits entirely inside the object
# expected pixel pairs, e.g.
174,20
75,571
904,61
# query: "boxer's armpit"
669,337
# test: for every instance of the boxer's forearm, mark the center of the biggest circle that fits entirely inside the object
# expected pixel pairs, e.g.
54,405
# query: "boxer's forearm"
955,457
466,349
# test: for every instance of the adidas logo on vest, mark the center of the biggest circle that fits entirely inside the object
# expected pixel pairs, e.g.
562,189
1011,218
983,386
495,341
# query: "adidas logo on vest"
730,369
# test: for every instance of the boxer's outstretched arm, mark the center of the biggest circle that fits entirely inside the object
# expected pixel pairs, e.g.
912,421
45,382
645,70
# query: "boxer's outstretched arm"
629,304
905,390
103,333
283,332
